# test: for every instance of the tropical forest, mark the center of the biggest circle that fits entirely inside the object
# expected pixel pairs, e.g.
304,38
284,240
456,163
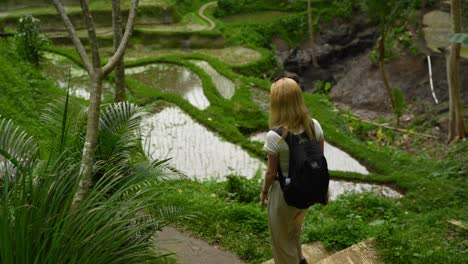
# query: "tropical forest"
133,131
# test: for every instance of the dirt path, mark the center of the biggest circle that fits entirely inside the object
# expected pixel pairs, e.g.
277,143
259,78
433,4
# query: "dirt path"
190,250
201,13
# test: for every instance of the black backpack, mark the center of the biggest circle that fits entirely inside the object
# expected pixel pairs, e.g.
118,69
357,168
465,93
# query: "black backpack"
308,172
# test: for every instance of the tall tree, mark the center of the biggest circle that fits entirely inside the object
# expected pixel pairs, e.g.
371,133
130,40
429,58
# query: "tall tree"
97,74
119,68
311,35
456,122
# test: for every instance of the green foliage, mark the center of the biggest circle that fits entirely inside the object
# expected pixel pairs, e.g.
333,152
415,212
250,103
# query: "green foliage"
374,56
29,39
118,136
323,87
424,238
24,91
39,225
348,220
241,189
185,6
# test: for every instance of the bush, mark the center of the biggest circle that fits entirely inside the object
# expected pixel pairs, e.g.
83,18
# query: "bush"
349,220
241,189
29,39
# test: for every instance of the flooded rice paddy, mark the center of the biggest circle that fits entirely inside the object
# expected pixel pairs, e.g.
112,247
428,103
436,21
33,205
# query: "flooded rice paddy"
193,149
229,55
225,86
171,78
57,67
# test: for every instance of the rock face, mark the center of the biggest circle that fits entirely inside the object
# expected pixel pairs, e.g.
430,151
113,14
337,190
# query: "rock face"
343,49
361,88
338,41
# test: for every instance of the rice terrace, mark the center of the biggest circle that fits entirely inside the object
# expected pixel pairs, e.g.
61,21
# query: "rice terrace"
138,131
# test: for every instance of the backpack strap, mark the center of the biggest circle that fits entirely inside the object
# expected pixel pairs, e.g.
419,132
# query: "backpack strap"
289,140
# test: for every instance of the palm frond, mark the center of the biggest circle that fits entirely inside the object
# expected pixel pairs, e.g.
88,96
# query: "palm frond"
63,121
17,148
119,132
121,116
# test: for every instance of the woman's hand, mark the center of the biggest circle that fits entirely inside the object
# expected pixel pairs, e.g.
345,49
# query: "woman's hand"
263,198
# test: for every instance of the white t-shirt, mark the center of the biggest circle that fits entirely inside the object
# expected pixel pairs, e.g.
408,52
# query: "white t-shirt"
274,145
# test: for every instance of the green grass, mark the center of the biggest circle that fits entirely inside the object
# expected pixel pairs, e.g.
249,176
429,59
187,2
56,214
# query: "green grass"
24,91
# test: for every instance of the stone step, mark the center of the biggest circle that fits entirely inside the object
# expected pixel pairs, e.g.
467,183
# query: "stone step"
361,253
312,252
315,252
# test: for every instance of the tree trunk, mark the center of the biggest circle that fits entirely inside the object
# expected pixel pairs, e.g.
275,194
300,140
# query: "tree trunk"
387,86
97,74
456,122
90,145
120,67
311,35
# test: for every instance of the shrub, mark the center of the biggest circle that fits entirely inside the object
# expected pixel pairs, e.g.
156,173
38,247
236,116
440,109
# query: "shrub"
29,39
241,189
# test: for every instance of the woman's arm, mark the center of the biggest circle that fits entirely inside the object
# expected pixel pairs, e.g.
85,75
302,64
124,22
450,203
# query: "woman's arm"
272,170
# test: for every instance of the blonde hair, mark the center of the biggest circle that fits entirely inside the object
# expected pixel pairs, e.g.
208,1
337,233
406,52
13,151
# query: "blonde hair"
287,108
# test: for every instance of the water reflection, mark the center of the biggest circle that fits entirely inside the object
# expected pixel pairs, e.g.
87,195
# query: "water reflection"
224,85
57,67
172,78
261,98
194,150
342,161
338,188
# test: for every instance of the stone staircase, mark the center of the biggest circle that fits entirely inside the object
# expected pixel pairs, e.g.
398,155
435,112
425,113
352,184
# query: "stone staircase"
361,253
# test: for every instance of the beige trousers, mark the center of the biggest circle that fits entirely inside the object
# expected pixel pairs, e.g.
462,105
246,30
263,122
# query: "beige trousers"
285,224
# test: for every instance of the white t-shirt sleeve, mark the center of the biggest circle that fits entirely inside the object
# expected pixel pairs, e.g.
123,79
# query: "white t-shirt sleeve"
318,130
272,141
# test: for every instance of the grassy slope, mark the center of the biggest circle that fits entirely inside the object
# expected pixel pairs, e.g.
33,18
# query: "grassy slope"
24,92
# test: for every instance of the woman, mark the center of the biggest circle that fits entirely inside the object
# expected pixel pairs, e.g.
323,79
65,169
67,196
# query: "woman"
287,111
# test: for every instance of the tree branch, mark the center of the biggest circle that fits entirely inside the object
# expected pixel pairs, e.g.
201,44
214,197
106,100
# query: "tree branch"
91,33
123,44
391,128
75,39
